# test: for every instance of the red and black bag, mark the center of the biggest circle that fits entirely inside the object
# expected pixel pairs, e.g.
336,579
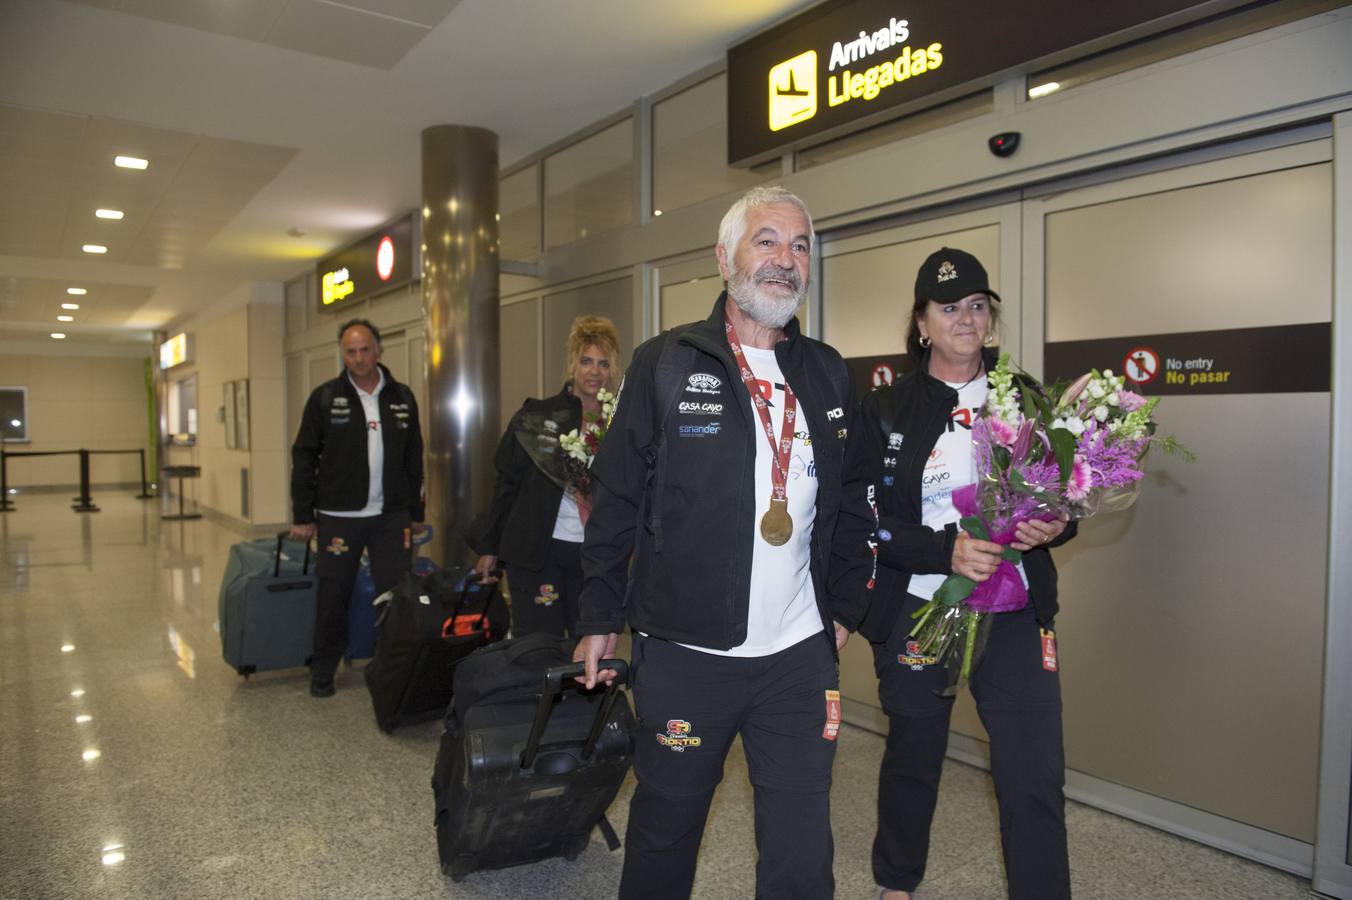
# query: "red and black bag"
427,625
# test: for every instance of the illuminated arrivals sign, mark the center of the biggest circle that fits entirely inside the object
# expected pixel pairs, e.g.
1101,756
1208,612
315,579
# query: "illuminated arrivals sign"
380,262
175,351
846,65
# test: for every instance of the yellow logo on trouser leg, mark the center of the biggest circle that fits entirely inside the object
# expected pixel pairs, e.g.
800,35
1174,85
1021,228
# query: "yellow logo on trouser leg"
793,91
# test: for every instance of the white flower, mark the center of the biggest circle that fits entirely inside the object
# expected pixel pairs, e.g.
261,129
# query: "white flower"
1101,413
1096,389
1113,399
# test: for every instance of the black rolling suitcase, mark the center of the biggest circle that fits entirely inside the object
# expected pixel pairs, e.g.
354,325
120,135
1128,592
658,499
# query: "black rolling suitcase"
529,762
427,625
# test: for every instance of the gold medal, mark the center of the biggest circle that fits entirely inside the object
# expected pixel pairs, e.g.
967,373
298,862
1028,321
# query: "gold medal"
776,526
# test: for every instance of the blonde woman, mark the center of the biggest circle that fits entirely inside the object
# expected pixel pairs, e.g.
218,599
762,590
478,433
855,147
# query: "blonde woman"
532,527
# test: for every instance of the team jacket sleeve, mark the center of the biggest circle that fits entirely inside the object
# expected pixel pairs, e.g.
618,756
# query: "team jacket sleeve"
484,534
413,465
852,562
305,461
619,480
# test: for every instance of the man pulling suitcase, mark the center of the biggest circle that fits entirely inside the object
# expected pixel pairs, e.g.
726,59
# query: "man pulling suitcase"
357,484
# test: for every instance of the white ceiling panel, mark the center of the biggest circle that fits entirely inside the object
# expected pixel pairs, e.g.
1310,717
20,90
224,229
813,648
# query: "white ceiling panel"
258,116
344,34
422,12
247,19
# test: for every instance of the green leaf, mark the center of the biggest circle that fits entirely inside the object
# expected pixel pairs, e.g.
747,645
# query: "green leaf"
975,527
1000,456
1029,404
1012,555
954,590
1063,445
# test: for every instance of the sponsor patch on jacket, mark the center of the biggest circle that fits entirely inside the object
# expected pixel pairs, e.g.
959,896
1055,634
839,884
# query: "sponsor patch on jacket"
546,595
836,413
915,658
700,430
894,441
551,426
703,383
678,736
832,729
337,546
701,409
340,401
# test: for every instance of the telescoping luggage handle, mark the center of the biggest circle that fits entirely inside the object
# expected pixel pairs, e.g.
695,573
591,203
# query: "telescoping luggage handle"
277,557
553,685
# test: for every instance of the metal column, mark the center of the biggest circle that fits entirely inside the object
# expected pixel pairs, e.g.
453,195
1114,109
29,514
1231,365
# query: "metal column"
460,313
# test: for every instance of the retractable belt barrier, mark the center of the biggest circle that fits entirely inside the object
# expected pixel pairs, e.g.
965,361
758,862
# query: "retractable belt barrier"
84,502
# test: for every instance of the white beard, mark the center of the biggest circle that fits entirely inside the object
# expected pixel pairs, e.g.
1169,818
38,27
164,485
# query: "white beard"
773,312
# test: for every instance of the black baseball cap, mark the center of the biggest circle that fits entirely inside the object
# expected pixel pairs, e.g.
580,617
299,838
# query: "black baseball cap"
948,275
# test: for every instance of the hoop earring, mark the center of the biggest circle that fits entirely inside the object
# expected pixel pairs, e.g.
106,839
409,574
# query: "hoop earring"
989,339
925,340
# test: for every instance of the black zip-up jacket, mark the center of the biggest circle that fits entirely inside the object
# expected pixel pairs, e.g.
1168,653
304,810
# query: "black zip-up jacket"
683,505
921,408
329,468
519,521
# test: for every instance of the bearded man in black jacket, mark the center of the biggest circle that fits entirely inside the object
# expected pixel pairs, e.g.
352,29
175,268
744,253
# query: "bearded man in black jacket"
732,476
356,482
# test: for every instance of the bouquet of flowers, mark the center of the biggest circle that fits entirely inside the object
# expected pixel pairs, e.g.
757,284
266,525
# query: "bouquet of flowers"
580,446
1035,458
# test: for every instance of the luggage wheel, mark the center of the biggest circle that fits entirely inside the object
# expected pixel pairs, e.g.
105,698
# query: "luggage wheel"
246,671
574,847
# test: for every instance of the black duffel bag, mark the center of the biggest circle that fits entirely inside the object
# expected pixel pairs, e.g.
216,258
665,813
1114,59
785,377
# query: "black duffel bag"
427,625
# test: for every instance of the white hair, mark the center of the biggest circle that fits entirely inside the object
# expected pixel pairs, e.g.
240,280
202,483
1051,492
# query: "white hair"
733,227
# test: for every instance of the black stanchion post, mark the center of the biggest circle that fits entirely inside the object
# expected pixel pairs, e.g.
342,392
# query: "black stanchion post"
6,505
145,486
84,503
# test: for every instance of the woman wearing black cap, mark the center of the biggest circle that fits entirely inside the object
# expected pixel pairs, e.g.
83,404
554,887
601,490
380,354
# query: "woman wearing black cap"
921,451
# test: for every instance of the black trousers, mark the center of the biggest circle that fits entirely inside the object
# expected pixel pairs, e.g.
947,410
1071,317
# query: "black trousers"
690,706
1019,702
341,541
545,599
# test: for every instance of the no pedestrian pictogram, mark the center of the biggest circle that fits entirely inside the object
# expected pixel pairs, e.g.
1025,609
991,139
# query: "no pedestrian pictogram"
1141,365
883,375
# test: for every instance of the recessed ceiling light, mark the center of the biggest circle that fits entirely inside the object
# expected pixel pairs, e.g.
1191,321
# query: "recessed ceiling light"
94,248
77,693
76,292
66,648
657,212
114,857
65,318
131,162
70,306
1043,90
90,755
58,335
81,719
108,213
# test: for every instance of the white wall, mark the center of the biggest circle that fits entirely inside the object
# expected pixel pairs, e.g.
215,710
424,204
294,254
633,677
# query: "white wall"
95,403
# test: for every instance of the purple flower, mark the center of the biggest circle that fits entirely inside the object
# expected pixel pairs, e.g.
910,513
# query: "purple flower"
1130,400
1081,479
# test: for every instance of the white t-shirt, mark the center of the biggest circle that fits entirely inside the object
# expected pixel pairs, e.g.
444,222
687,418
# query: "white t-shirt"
375,454
783,602
568,522
948,468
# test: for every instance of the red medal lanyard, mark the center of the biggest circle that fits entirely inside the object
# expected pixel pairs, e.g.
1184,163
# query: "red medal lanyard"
779,452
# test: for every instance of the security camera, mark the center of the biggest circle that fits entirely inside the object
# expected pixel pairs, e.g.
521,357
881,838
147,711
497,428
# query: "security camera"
1004,144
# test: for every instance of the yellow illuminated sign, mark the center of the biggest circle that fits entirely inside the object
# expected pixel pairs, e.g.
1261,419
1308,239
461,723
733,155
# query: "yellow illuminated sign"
174,351
793,91
871,82
334,286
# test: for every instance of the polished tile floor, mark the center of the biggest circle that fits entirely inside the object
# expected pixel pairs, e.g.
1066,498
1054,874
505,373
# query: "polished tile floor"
135,764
